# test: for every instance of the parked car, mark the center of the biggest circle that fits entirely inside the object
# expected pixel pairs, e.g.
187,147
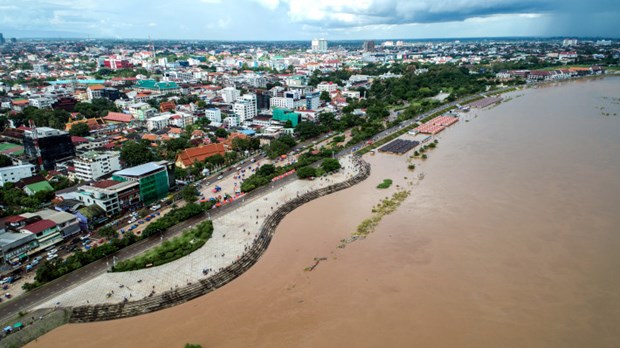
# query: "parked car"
52,252
38,259
155,207
51,257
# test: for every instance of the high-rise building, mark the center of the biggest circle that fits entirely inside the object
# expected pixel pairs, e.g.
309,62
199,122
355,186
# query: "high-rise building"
230,94
48,146
92,165
213,115
369,46
1,39
245,107
319,45
569,42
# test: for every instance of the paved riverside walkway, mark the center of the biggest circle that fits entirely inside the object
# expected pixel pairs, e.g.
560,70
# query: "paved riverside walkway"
234,233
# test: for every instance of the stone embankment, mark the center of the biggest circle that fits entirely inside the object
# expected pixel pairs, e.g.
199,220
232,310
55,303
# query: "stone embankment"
157,301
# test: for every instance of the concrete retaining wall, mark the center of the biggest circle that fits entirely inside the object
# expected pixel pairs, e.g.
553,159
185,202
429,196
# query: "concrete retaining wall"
180,295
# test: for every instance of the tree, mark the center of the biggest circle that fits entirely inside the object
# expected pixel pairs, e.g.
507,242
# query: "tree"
325,97
288,140
80,129
134,154
288,124
306,172
189,345
5,161
188,193
239,144
330,165
266,170
306,130
107,232
221,133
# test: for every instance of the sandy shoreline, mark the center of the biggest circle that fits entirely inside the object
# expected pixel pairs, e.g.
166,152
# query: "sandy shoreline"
502,244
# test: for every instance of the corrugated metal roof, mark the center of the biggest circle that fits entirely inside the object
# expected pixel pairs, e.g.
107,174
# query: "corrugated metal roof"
139,170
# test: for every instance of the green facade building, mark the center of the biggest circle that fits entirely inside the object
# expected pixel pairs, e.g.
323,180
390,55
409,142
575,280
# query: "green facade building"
283,115
153,179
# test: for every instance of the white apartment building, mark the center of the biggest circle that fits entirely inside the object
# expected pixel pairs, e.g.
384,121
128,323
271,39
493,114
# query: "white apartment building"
327,86
158,122
245,107
233,120
213,115
16,173
40,102
281,102
92,165
230,94
109,195
181,120
94,92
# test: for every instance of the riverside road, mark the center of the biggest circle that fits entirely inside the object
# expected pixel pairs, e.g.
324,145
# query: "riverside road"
30,299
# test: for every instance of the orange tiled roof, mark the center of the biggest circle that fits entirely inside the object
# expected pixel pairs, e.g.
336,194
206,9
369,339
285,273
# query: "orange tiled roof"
200,153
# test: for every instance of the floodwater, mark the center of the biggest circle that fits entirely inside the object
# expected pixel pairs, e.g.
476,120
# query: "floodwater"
510,240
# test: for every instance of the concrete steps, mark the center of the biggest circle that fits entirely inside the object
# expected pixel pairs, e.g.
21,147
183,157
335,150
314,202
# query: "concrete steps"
186,293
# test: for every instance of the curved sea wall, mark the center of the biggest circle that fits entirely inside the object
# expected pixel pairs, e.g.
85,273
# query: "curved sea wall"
180,295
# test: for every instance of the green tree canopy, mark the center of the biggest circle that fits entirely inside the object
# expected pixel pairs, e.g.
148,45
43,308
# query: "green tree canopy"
189,193
330,165
133,153
80,129
306,130
221,133
306,172
325,96
5,161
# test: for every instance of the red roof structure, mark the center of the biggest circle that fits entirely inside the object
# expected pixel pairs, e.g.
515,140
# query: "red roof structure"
188,156
40,226
118,117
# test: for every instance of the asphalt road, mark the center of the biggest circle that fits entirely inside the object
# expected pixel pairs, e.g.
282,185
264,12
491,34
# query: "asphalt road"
79,276
53,288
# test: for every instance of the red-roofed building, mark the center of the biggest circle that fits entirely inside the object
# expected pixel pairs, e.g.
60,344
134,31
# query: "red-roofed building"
117,117
46,232
187,157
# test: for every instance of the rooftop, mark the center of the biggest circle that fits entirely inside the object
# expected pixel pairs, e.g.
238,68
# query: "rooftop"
140,170
39,226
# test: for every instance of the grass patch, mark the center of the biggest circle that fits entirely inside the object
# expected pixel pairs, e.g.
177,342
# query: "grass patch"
385,184
170,250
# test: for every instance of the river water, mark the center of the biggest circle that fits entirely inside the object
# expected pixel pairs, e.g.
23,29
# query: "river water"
510,240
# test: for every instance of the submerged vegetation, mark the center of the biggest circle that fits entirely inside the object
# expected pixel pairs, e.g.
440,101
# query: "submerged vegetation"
385,207
385,184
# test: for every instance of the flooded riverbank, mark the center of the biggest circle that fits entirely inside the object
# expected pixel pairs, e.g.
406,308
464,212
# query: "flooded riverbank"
510,240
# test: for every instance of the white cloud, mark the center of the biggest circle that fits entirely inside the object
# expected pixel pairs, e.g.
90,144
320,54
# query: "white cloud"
270,4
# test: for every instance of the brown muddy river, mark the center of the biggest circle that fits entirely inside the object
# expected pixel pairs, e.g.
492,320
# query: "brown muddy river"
511,239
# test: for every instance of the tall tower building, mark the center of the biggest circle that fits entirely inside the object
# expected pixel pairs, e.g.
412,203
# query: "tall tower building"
369,46
1,39
319,45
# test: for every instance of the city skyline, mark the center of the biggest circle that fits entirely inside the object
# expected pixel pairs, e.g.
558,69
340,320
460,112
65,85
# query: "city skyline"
256,20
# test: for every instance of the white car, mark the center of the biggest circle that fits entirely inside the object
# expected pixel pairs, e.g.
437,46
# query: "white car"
155,207
220,177
51,257
52,252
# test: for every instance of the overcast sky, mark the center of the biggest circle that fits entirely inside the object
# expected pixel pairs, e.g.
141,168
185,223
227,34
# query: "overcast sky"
306,19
